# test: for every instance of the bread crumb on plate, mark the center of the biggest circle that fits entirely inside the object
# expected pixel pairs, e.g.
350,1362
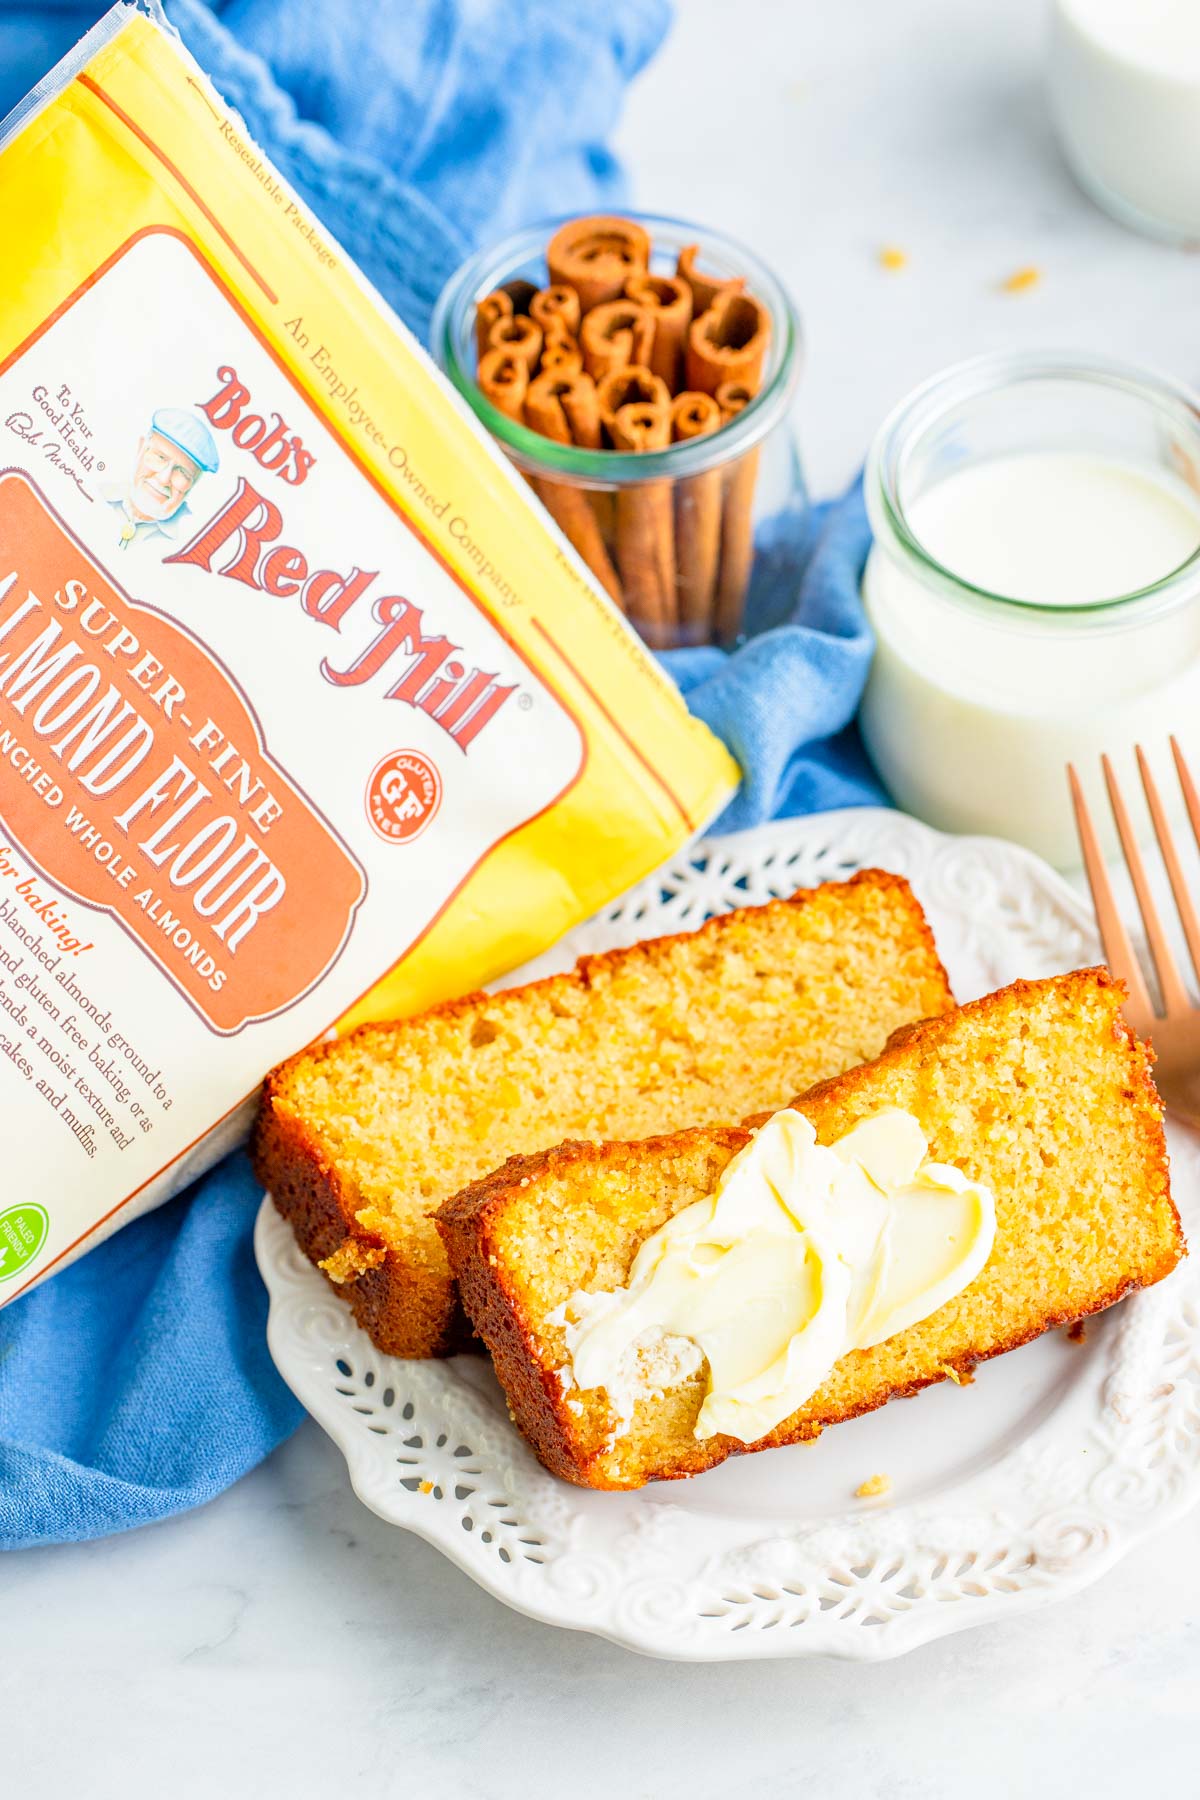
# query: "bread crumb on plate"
873,1488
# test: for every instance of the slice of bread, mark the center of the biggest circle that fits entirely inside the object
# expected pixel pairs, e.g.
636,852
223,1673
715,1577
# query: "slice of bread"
1040,1090
360,1140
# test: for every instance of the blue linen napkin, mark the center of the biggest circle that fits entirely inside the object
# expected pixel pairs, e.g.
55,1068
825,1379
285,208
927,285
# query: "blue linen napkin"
415,127
785,701
137,1383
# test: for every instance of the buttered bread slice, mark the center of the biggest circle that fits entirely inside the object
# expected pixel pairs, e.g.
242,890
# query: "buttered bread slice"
360,1140
1012,1149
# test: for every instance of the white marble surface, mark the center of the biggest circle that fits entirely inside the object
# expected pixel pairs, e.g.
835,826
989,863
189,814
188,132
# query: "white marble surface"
920,124
283,1641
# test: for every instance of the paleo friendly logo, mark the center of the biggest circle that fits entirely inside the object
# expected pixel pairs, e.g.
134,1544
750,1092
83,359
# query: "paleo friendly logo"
23,1231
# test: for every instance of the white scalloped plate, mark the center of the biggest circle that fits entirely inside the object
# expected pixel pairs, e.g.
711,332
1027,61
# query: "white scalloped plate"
1015,1491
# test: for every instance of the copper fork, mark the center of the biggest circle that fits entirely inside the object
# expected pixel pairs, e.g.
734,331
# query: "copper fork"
1175,1031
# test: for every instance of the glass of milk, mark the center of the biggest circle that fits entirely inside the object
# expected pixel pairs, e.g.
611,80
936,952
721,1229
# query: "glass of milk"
1034,589
1125,91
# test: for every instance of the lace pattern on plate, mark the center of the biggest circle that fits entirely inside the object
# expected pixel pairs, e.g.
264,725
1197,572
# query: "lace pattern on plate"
429,1446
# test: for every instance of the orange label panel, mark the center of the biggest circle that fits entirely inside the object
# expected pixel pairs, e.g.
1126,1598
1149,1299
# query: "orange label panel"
134,773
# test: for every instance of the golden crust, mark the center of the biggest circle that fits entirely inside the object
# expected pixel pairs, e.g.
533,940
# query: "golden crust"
410,1308
405,1309
588,968
470,1225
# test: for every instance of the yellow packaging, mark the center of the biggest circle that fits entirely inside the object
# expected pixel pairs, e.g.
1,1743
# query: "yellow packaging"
306,713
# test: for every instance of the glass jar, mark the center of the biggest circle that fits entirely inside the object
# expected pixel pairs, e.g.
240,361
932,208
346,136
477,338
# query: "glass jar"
739,490
1125,94
981,692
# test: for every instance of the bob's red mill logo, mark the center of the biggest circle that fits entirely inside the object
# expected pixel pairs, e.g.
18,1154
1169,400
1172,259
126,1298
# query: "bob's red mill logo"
244,541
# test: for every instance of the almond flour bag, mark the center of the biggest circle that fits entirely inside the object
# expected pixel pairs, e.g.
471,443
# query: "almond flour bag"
306,714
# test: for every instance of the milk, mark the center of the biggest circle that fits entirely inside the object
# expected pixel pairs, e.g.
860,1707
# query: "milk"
974,707
1125,90
1059,528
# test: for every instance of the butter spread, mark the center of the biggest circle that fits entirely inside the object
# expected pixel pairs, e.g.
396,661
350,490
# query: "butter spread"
801,1254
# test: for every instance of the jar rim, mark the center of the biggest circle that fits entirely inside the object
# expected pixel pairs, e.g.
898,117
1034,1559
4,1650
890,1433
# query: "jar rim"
453,328
982,375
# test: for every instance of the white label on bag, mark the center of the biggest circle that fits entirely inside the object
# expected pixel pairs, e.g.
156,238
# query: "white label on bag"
180,531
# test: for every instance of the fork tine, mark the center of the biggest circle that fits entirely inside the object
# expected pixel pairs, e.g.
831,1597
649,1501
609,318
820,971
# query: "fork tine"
1190,796
1118,951
1173,991
1170,856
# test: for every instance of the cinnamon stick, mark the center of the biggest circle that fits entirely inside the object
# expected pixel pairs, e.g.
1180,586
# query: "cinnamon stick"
668,298
593,359
728,343
694,415
582,407
622,388
580,401
737,520
564,408
697,521
561,353
596,257
616,335
626,387
553,306
504,379
553,402
520,336
520,293
488,312
705,288
734,397
646,526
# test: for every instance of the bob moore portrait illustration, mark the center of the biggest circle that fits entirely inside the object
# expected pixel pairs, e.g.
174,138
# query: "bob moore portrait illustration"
172,455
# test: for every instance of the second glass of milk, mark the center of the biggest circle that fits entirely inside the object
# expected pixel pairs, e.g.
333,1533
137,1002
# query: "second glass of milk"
1034,589
1125,90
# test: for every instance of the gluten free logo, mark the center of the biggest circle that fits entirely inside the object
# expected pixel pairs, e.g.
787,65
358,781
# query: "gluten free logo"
403,794
23,1231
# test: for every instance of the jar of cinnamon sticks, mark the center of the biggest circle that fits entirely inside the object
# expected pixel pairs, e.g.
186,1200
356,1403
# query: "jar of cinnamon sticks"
638,371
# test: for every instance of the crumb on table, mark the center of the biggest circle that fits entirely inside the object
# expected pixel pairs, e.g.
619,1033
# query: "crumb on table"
873,1487
892,257
1020,280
